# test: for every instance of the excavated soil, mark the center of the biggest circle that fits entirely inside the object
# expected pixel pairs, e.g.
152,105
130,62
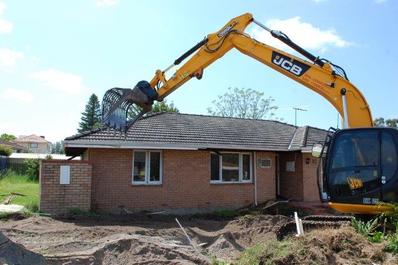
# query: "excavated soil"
159,240
132,239
341,246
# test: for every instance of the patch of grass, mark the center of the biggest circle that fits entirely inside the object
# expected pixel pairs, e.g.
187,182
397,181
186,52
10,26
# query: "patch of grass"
82,213
215,261
365,228
13,182
392,241
266,252
226,213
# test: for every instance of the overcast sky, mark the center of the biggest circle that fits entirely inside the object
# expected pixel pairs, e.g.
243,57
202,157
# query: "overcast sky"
54,54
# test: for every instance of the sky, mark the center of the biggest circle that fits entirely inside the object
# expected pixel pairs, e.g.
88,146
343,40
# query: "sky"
55,54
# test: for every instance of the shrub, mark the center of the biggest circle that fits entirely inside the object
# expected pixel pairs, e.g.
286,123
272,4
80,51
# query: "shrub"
5,150
32,168
367,229
392,243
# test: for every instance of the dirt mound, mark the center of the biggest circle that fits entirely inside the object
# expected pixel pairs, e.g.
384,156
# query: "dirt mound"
139,240
12,253
329,246
132,249
242,233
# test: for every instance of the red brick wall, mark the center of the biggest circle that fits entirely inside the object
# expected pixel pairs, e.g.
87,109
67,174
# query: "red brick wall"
291,183
59,199
186,183
266,187
310,165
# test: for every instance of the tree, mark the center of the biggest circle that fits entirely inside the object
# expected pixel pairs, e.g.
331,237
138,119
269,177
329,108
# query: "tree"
5,150
381,122
91,117
7,137
243,103
164,107
57,148
156,107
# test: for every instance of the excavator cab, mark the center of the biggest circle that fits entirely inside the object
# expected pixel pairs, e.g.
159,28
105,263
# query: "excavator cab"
360,169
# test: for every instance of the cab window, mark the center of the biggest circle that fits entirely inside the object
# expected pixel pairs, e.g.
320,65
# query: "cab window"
388,156
356,150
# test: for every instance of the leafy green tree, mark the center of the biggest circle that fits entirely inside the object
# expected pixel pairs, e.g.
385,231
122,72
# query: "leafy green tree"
381,122
243,103
5,150
58,148
91,117
392,123
156,107
164,107
7,137
32,168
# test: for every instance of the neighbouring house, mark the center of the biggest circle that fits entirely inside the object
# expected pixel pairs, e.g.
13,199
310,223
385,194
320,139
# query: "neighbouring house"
17,161
16,148
34,144
183,163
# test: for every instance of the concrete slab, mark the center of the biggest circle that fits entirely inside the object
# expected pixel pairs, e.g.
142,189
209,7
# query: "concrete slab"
11,208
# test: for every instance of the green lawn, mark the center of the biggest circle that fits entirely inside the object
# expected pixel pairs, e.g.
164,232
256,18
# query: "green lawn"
12,182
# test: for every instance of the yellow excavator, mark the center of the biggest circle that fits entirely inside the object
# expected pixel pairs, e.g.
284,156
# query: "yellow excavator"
358,169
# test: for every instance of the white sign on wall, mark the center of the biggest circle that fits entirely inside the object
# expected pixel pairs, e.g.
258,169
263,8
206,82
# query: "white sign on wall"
290,166
64,176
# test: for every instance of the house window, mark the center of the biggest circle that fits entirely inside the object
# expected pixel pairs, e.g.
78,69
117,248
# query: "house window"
147,167
33,145
230,167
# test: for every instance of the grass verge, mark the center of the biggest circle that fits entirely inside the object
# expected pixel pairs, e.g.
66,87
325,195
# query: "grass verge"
12,182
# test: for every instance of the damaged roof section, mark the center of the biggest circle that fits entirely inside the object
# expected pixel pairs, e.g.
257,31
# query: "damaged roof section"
189,131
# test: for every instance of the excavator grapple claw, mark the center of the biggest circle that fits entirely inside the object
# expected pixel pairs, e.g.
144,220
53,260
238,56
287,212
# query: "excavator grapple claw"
121,107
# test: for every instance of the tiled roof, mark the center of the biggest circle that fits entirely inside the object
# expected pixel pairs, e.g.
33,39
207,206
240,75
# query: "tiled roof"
33,138
174,130
13,145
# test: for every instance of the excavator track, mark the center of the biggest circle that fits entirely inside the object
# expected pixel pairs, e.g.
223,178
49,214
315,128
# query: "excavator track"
313,222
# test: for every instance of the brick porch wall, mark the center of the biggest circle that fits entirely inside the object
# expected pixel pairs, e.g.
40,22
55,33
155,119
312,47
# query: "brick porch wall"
59,199
291,183
310,185
186,183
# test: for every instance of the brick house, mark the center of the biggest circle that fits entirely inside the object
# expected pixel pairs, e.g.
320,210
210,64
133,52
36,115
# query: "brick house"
34,144
184,162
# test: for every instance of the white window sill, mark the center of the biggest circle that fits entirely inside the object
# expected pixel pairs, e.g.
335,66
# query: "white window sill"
146,184
231,182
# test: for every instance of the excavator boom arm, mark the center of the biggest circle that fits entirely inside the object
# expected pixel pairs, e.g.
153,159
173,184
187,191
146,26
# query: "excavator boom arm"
317,75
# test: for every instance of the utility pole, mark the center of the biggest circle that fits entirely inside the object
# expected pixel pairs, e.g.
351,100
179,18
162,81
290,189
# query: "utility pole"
295,114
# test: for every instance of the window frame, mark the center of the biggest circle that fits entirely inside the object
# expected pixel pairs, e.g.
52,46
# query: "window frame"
33,145
148,168
241,180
